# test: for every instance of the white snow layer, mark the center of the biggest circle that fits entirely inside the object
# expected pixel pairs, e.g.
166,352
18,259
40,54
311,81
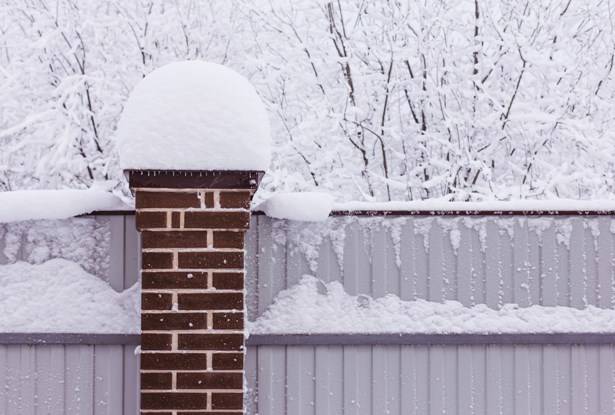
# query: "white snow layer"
525,205
299,206
194,115
314,307
54,204
58,296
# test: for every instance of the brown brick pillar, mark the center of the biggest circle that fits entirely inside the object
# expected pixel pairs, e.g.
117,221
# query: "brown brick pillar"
192,228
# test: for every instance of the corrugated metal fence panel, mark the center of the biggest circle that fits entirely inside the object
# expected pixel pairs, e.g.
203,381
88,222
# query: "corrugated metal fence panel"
104,245
72,379
492,260
68,379
419,380
553,260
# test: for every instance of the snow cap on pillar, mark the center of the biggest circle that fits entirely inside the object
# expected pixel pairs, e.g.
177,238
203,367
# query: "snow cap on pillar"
194,116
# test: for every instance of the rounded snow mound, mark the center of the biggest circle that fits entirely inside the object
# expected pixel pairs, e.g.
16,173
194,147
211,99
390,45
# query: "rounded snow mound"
194,115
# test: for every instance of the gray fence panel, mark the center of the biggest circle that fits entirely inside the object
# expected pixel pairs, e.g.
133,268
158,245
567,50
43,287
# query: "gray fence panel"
67,379
490,379
300,387
493,260
550,261
554,260
132,259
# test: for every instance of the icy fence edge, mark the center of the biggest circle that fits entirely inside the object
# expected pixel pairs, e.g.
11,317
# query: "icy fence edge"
419,339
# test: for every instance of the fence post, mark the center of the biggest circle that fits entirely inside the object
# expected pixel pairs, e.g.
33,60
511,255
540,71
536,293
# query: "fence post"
192,226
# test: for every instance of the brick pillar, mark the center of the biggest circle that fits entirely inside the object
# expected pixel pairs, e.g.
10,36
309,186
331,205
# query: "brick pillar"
192,228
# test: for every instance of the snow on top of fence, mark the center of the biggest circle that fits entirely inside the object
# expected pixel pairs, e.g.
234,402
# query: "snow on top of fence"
317,206
23,205
194,115
524,205
58,296
299,206
313,306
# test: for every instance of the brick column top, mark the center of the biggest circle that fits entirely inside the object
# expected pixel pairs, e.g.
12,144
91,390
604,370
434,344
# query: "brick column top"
195,179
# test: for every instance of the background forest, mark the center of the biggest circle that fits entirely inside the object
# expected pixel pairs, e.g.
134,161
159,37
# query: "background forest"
369,100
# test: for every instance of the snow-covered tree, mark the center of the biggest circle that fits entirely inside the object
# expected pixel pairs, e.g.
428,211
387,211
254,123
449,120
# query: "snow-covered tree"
402,100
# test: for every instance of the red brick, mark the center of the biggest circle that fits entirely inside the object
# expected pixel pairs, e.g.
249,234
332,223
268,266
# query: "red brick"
151,220
204,413
174,239
173,321
165,200
228,321
175,220
228,280
227,361
211,301
209,199
210,259
200,380
239,200
173,400
210,342
171,413
226,400
156,260
217,220
170,280
156,301
156,380
228,239
173,361
156,341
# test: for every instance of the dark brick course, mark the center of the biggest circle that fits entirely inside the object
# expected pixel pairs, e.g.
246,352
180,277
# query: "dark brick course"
217,220
165,200
156,301
210,342
211,301
173,361
200,260
174,239
210,380
227,361
173,321
228,321
155,341
170,280
173,400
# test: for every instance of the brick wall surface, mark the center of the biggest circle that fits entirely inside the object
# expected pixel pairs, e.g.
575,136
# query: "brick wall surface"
192,344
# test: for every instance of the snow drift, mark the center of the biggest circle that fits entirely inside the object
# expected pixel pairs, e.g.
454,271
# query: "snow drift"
314,307
58,296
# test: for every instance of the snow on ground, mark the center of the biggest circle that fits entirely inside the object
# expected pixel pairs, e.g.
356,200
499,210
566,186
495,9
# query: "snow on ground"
58,296
194,116
312,306
299,206
23,205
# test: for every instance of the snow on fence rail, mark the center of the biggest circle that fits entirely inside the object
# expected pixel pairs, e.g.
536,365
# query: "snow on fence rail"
564,258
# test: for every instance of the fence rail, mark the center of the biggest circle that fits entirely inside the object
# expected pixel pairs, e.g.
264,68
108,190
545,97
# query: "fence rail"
70,338
429,339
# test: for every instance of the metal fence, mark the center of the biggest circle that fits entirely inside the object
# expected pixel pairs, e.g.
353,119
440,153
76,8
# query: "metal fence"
66,373
544,259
